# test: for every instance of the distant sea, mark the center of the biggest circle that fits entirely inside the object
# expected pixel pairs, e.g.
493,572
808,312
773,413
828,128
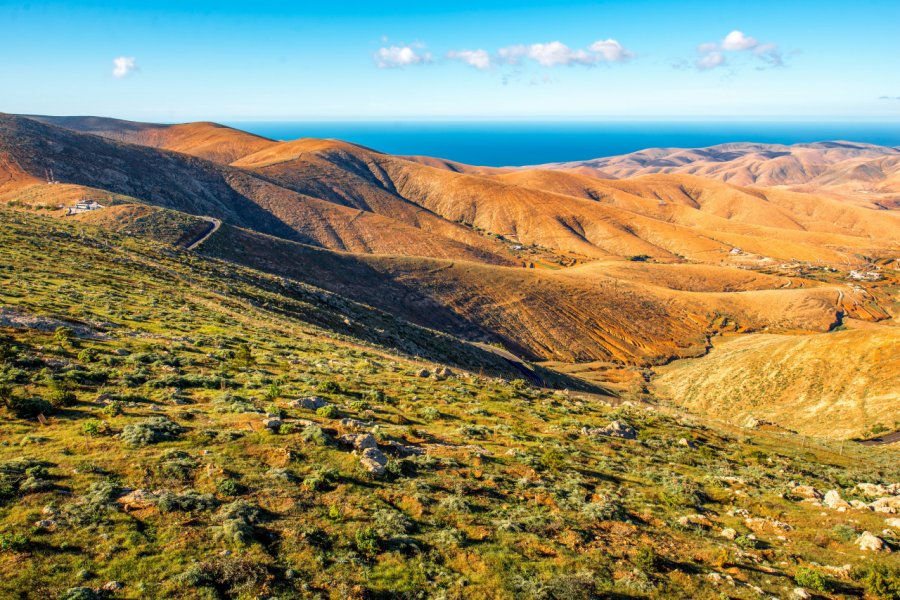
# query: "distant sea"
503,143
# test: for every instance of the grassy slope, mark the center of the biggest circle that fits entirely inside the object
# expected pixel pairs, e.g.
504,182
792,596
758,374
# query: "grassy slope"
509,500
837,384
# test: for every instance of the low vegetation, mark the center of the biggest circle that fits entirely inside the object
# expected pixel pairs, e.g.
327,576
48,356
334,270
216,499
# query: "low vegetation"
198,432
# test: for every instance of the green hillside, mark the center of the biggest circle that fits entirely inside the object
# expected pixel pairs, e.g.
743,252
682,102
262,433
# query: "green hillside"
177,426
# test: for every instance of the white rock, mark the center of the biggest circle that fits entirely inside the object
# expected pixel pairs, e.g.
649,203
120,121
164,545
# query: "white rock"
833,500
872,543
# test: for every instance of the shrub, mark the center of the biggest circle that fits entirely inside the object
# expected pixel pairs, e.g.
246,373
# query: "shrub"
13,542
93,428
314,435
151,431
188,501
231,577
80,593
813,580
229,487
113,409
647,559
329,411
367,542
605,509
25,408
61,393
329,387
320,479
880,579
177,465
274,409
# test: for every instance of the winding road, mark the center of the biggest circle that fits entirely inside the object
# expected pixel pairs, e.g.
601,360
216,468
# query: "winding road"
215,224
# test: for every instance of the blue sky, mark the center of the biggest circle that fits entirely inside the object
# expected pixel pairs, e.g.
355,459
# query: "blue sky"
172,61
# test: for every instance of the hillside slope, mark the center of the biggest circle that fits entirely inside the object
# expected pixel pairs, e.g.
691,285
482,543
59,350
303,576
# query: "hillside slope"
838,384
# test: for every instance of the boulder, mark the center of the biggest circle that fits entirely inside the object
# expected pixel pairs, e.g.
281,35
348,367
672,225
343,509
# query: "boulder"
309,403
373,461
111,586
686,443
833,500
354,424
138,500
889,505
800,594
615,429
860,505
423,373
273,424
893,523
871,543
442,373
359,441
728,533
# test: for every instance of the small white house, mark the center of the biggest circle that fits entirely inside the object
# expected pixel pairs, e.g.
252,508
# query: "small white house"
84,206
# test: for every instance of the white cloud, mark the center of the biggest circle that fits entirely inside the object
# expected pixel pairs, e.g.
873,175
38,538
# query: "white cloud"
712,54
512,54
392,57
611,50
557,53
710,60
479,59
123,65
553,54
737,40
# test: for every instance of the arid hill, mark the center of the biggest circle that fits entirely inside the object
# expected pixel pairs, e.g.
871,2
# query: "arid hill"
838,384
864,172
554,265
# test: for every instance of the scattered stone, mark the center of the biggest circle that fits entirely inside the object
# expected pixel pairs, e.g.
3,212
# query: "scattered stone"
895,523
833,500
759,523
401,450
728,533
122,352
442,373
359,441
889,505
309,403
423,373
686,443
800,594
111,586
45,523
860,505
876,490
373,461
355,424
273,424
138,500
615,429
871,542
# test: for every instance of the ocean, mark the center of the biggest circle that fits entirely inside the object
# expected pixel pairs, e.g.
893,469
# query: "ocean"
504,143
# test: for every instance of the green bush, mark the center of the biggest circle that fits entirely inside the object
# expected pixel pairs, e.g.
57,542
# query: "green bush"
367,542
13,542
329,387
811,579
647,559
151,431
229,487
880,580
329,411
